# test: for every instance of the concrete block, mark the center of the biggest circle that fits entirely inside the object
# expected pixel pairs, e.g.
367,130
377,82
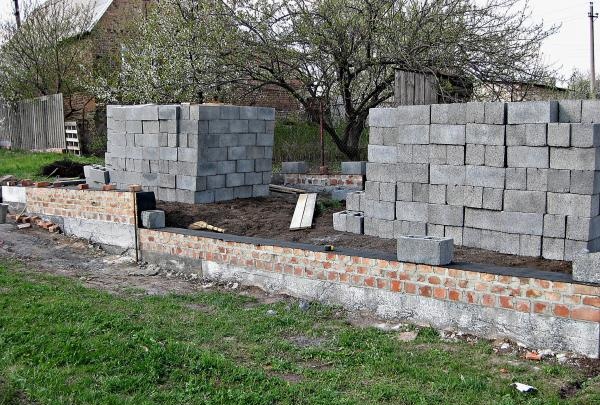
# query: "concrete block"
559,181
527,135
516,178
234,179
447,134
241,152
167,154
149,180
455,233
504,221
527,156
495,113
172,140
425,249
404,228
382,154
148,112
355,222
244,165
586,267
407,172
166,194
437,154
530,245
116,112
241,192
574,248
260,190
475,112
413,134
380,209
191,183
184,111
359,168
590,111
471,237
204,197
150,127
553,248
420,153
266,113
216,126
404,191
384,136
555,226
144,141
372,190
455,155
153,219
248,113
403,115
584,181
339,221
230,112
187,155
214,182
387,192
573,204
559,134
585,135
381,172
494,155
532,112
223,194
435,230
265,139
133,127
166,180
464,196
569,110
537,179
167,126
238,126
445,215
484,176
583,228
379,227
256,126
206,169
525,201
455,113
410,211
150,153
251,179
353,201
248,140
96,174
420,192
294,167
437,194
447,174
475,154
575,158
168,112
485,134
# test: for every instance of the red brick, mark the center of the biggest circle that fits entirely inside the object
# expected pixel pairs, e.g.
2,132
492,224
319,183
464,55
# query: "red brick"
439,293
471,297
395,286
487,277
543,283
425,291
370,281
593,301
586,289
506,302
434,280
540,307
454,295
561,310
522,306
586,314
410,288
552,296
533,293
382,283
488,300
424,268
455,273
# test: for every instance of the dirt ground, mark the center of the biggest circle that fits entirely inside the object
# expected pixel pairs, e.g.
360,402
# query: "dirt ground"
270,218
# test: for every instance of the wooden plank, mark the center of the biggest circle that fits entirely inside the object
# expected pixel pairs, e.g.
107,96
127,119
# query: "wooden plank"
284,189
309,211
419,89
298,212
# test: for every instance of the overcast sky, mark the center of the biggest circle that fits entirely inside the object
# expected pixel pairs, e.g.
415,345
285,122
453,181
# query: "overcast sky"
567,50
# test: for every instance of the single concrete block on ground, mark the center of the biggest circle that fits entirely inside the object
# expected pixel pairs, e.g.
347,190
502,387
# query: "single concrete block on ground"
153,219
532,112
359,168
339,221
294,167
431,250
586,267
96,174
355,222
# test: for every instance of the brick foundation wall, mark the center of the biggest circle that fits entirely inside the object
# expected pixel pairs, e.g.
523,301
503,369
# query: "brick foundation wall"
325,180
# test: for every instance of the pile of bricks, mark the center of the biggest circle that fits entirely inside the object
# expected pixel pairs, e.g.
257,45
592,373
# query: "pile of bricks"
191,153
26,221
518,178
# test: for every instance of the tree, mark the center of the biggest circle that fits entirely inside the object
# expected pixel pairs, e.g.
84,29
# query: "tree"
579,85
325,50
45,55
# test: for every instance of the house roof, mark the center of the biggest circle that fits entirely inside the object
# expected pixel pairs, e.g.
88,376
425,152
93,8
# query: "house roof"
96,7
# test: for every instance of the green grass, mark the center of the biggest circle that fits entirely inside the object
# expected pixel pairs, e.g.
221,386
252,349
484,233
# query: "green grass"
300,141
28,165
63,343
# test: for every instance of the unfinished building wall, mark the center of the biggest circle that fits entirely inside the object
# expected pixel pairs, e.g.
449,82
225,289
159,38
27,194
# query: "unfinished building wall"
518,178
192,153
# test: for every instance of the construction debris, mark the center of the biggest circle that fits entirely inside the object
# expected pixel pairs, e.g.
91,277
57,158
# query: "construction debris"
134,188
23,226
203,226
304,213
284,189
533,356
7,179
524,387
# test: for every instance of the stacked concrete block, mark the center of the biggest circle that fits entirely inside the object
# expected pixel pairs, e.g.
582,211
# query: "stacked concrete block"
191,153
518,178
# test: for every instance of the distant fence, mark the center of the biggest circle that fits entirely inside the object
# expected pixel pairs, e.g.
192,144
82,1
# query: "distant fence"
413,88
36,124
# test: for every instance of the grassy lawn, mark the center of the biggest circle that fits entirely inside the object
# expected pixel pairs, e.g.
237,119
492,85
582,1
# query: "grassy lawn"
28,165
63,343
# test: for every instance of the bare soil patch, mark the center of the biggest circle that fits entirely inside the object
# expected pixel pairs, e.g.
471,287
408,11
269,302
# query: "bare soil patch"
270,218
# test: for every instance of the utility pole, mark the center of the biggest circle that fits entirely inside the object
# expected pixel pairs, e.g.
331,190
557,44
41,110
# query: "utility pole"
592,17
17,14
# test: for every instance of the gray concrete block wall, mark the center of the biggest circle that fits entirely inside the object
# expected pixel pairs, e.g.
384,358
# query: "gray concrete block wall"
192,153
519,178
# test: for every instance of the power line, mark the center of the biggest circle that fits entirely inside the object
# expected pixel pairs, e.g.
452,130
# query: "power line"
592,17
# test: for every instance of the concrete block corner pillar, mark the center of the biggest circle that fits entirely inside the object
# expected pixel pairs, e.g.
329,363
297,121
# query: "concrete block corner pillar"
294,167
586,267
432,250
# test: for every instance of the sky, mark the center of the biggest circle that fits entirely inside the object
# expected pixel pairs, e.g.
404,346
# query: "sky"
566,51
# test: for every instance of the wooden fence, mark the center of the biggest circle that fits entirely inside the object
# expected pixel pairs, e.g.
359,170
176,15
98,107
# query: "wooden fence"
37,124
412,88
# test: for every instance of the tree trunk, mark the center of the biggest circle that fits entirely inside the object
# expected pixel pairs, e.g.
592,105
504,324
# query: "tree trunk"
352,133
